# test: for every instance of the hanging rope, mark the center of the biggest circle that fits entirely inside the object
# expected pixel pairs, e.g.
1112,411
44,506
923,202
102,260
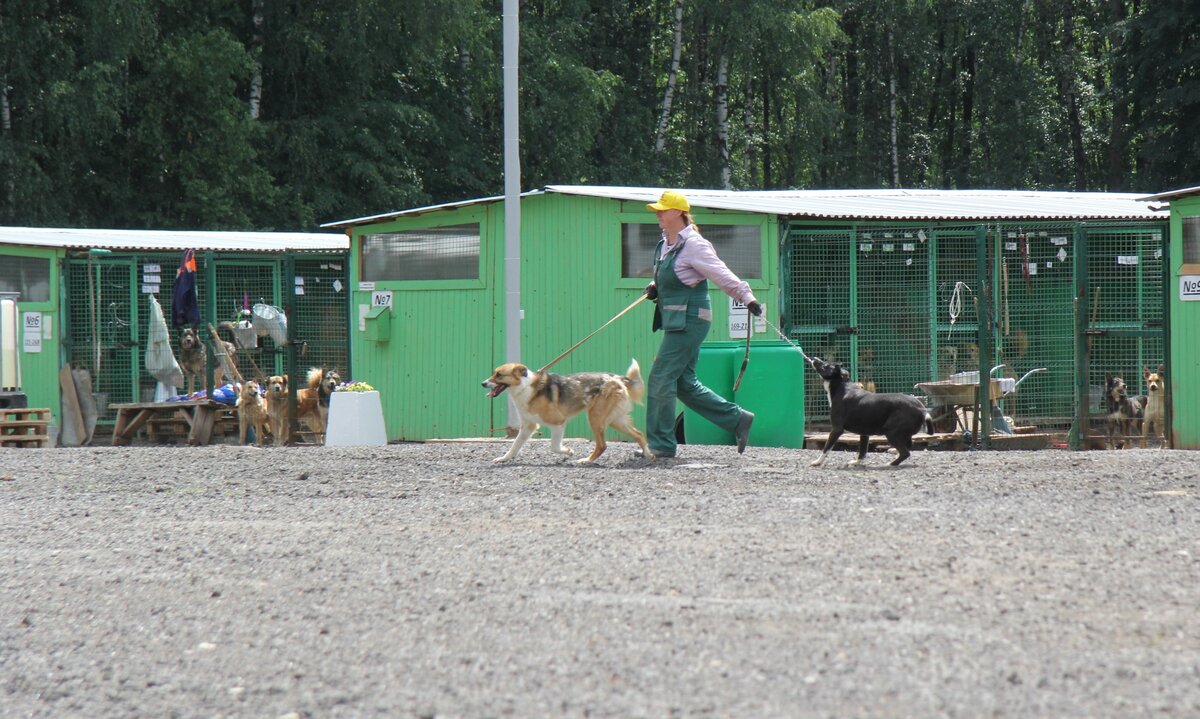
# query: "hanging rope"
955,306
956,301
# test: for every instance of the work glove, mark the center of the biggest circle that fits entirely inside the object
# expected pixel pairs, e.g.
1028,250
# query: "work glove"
651,292
755,308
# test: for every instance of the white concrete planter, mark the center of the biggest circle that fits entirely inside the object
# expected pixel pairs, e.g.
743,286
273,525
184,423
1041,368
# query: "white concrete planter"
355,419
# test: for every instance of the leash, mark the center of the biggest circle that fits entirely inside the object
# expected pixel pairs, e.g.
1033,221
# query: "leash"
782,336
746,358
554,361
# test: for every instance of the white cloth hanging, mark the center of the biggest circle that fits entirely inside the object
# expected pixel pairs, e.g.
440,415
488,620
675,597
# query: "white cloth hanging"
160,359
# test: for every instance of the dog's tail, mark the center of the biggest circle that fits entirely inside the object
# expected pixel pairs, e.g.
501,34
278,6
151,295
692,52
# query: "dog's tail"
314,377
634,383
928,422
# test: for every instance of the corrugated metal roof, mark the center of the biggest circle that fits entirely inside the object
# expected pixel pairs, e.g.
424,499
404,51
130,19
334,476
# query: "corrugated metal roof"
172,240
899,204
879,204
418,211
1173,194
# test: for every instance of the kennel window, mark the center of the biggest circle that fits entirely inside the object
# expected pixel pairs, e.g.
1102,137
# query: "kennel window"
29,276
1191,240
739,246
432,253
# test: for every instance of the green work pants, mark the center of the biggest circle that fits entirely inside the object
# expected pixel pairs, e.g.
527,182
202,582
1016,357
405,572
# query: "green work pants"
674,376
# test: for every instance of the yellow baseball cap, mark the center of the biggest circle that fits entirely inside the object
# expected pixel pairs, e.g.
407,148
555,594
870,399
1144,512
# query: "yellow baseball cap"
670,200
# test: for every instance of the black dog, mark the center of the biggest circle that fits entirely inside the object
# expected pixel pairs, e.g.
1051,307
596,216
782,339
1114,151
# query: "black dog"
1122,413
852,409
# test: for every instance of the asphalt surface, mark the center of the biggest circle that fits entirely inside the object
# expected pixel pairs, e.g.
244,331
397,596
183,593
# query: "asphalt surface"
421,580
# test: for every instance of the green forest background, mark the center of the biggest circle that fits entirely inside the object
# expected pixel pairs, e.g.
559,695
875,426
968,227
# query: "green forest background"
264,114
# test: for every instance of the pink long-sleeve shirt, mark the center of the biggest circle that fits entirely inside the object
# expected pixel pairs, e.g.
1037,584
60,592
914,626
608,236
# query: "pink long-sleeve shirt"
698,260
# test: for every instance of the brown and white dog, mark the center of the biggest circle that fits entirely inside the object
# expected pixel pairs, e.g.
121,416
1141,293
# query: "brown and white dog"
553,399
252,412
277,408
1121,413
193,359
1154,408
312,402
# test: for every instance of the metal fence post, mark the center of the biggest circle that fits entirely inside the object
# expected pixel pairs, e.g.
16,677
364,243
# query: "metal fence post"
209,314
986,330
1076,439
288,287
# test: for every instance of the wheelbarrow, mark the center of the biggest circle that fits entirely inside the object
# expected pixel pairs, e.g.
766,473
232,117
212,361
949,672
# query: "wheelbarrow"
949,397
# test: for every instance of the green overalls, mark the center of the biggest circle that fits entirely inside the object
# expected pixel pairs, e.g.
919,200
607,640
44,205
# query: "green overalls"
684,315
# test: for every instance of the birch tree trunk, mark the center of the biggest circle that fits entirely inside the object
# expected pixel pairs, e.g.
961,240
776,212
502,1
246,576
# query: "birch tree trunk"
256,51
464,93
660,139
971,68
766,130
5,107
1115,179
1019,56
751,154
10,186
1071,97
722,102
892,108
935,105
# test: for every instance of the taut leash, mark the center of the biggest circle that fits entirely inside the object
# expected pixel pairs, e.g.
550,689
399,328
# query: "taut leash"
746,360
784,337
554,361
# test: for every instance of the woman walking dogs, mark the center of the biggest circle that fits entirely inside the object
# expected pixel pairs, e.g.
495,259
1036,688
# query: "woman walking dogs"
684,262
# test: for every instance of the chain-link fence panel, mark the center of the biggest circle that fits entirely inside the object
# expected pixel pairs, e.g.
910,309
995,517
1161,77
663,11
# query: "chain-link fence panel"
1124,333
241,283
321,312
901,306
107,308
818,306
105,319
1035,322
892,314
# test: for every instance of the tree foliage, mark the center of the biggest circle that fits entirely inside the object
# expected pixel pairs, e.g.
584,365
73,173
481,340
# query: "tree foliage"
270,114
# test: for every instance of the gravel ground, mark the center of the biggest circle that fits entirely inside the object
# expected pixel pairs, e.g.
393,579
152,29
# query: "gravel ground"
420,580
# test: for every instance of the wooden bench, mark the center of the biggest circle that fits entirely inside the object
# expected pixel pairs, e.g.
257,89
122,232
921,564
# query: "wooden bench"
199,415
24,427
1022,438
166,429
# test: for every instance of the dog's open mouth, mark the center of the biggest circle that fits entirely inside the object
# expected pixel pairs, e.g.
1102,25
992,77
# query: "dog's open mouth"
496,390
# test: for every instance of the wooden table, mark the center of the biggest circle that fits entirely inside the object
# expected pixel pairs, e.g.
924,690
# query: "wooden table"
200,415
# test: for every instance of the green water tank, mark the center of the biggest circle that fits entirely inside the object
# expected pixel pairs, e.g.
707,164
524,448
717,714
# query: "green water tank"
716,369
773,389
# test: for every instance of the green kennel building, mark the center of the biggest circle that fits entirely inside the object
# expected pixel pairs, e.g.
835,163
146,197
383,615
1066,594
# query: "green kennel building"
83,299
904,287
1183,295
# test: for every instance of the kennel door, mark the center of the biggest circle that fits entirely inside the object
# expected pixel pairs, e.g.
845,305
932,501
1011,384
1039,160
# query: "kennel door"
818,310
1122,315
